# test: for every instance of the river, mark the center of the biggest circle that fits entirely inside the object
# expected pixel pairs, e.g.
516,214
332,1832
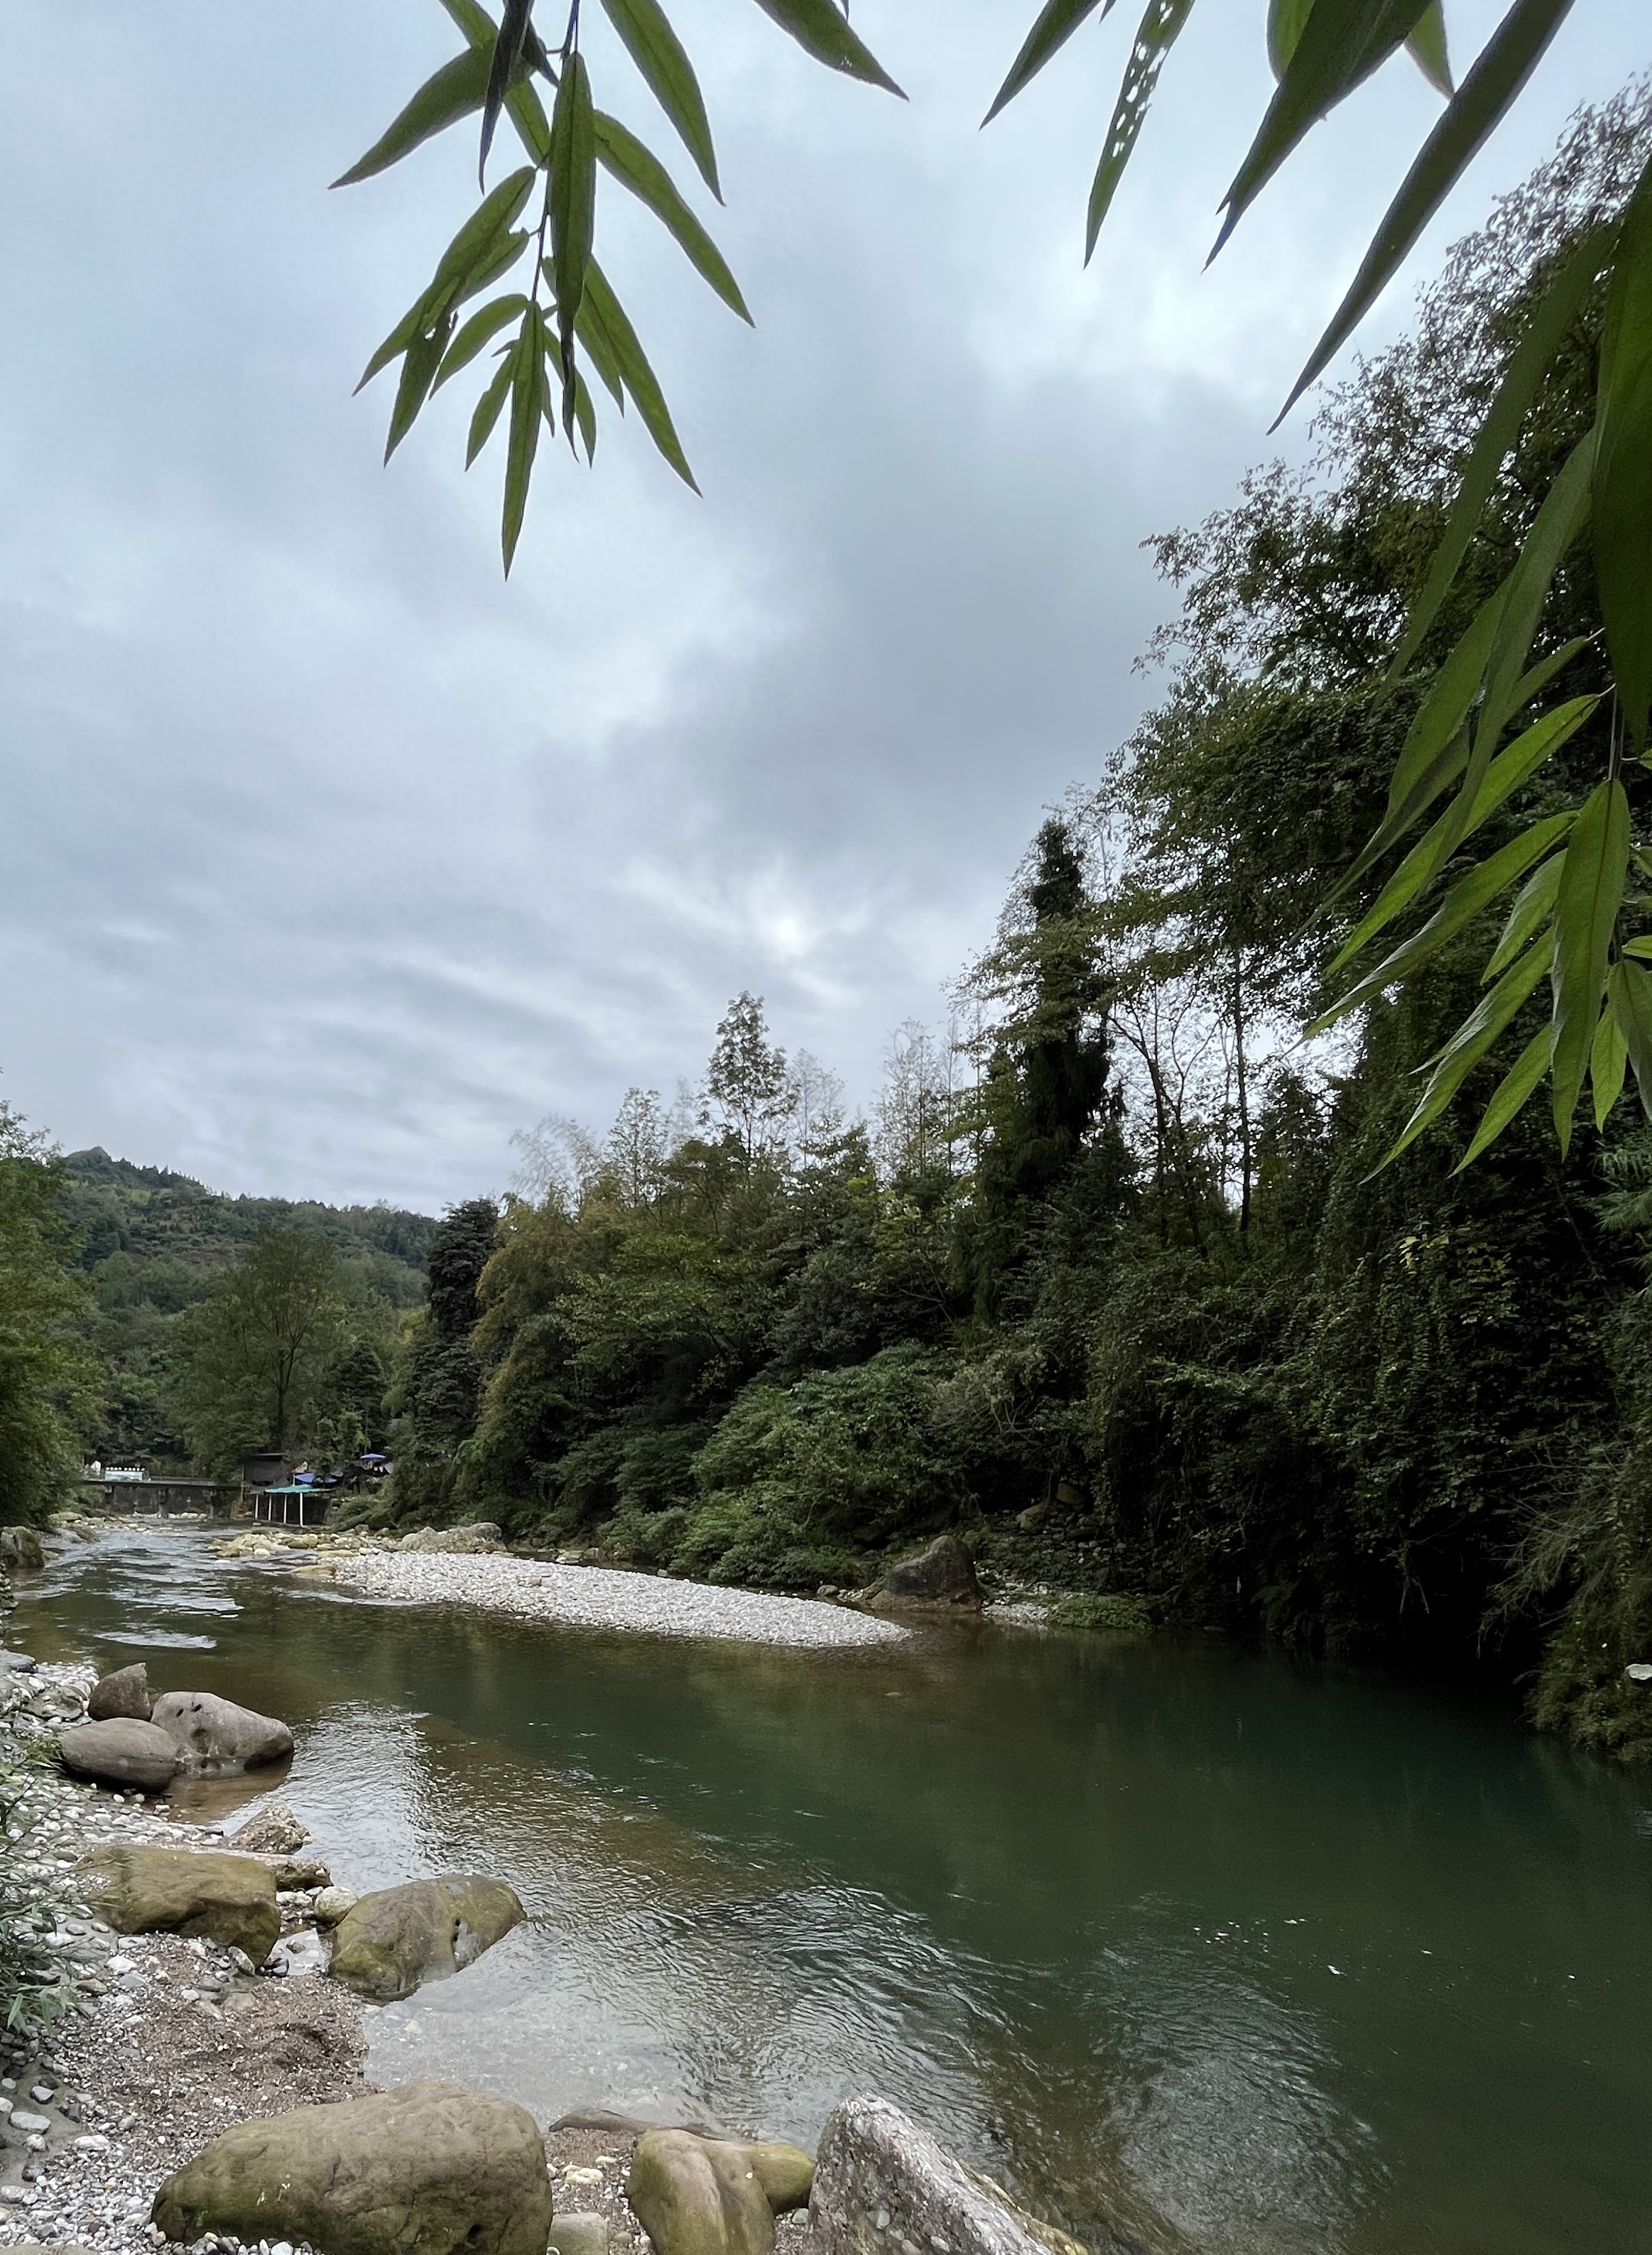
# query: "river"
1249,1958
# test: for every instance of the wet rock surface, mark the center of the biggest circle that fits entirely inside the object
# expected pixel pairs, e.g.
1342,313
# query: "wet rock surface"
215,1737
122,1751
884,2186
422,2170
390,1942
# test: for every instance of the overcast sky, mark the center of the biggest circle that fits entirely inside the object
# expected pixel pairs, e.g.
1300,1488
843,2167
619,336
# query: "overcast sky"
327,859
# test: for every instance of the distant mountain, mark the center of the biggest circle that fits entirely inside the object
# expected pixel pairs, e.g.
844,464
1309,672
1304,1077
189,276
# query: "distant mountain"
151,1242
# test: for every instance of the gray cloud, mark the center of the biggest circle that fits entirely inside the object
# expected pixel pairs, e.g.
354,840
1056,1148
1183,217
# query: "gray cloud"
329,860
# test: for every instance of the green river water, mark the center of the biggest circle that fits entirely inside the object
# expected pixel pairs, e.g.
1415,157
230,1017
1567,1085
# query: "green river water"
1242,1958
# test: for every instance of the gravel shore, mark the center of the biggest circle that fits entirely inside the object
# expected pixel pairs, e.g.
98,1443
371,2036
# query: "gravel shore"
594,1597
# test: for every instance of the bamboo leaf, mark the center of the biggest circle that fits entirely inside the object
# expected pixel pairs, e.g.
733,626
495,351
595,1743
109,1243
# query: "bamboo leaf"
1559,307
1465,900
503,67
1608,1059
1641,946
1504,777
1512,1093
630,365
1426,45
451,92
488,411
529,397
638,169
1160,28
1340,43
1285,20
1629,993
1585,912
1623,465
1054,27
527,112
822,30
573,200
585,414
1472,1040
418,373
1564,512
1533,905
1499,71
477,332
647,36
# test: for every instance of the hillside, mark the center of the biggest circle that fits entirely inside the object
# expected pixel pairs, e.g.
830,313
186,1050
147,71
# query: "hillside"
151,1242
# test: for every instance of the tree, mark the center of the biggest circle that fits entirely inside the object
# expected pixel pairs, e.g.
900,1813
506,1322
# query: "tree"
748,1089
46,1374
259,1352
438,1391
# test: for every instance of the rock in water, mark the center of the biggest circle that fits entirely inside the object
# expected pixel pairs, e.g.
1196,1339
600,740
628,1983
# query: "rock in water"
423,2170
482,1534
123,1695
123,1752
388,1943
272,1829
882,2181
231,1900
942,1575
214,1738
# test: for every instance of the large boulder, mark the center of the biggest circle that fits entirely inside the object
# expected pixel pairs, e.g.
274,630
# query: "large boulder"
882,2181
20,1546
390,1942
480,1534
124,1752
125,1696
272,1829
943,1575
697,2195
231,1900
214,1738
423,2170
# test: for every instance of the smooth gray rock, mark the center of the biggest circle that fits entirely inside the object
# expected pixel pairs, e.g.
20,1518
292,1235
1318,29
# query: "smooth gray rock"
480,1534
122,1697
428,2169
944,1574
124,1752
215,1737
579,2234
882,2182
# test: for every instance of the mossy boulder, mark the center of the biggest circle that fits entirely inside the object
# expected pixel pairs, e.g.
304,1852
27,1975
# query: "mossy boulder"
230,1900
426,2169
697,2195
387,1943
943,1575
121,1752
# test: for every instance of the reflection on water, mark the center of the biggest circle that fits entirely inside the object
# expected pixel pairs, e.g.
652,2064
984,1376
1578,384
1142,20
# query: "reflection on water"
1238,1958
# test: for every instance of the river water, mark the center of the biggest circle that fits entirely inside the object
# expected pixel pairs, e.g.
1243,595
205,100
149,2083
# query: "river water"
1245,1958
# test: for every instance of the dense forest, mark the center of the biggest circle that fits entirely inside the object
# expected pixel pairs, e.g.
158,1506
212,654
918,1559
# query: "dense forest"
1113,1275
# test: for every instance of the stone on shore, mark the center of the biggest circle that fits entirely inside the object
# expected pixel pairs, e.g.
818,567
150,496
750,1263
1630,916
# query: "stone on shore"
579,2234
697,2196
331,1904
121,1752
272,1829
230,1900
944,1574
20,1546
480,1534
391,1940
426,2169
122,1697
883,2182
215,1737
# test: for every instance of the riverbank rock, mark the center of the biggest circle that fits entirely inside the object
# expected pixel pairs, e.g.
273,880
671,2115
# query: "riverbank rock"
883,2182
124,1752
215,1737
424,2170
482,1534
390,1942
20,1546
122,1697
272,1829
230,1900
943,1575
697,2196
580,2233
331,1904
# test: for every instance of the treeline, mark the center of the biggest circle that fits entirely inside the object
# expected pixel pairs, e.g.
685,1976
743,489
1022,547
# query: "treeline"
1113,1275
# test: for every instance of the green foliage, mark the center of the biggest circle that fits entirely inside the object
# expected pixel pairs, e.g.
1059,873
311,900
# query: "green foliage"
1116,1615
47,1372
438,1384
